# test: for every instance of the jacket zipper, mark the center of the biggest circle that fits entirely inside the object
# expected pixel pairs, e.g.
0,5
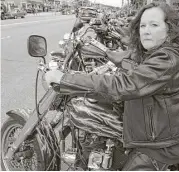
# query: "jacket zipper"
151,123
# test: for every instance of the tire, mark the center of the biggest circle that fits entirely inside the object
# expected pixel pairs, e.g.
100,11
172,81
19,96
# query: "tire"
34,162
2,18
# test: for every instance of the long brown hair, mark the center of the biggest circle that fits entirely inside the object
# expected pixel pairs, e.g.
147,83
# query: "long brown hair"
171,18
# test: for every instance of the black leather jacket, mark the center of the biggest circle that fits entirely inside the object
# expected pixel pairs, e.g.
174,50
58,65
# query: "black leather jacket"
151,95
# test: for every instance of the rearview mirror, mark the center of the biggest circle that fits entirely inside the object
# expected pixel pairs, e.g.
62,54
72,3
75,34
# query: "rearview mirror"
37,46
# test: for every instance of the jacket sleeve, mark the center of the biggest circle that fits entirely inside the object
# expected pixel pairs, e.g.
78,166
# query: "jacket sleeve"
146,79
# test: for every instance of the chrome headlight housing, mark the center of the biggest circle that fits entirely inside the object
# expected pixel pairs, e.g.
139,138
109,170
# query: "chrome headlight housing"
66,37
61,44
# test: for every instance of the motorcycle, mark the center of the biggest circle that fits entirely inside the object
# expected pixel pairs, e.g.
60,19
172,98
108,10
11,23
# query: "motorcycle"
82,56
32,143
105,33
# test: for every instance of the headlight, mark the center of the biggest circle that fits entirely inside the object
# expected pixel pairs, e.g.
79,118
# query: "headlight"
78,38
66,36
92,21
61,44
72,37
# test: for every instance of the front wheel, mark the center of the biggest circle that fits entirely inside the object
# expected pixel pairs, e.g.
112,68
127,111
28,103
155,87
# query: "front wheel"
28,157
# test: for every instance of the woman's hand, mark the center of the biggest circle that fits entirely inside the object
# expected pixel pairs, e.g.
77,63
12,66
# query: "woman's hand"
53,76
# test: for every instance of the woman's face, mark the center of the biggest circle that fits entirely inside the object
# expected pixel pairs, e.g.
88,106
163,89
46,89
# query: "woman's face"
153,29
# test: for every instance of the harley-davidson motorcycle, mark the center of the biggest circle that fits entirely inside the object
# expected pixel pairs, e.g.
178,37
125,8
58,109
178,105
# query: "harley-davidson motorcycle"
83,135
73,45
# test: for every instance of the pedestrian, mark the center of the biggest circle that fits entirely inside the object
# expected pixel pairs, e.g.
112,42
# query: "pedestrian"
35,11
150,89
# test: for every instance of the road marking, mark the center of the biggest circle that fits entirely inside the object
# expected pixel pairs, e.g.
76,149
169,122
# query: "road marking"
10,60
7,37
26,22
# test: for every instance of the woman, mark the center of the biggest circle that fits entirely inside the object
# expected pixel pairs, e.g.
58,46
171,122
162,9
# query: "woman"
150,90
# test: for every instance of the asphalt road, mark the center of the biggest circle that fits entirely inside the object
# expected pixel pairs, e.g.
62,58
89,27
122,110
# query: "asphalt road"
18,69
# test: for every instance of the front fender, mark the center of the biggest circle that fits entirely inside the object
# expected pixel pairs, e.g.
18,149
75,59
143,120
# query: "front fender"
20,114
46,137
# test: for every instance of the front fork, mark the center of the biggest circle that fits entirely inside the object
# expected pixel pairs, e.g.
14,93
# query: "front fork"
32,122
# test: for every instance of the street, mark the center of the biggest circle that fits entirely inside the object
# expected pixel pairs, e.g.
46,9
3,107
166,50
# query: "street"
18,68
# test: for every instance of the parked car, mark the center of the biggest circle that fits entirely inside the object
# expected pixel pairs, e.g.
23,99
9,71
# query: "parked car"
14,14
29,10
87,13
65,11
39,10
2,15
3,11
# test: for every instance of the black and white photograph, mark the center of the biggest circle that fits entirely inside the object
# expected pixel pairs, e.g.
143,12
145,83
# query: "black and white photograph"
89,85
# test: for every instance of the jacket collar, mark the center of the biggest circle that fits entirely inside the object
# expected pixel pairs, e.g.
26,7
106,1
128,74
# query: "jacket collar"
166,44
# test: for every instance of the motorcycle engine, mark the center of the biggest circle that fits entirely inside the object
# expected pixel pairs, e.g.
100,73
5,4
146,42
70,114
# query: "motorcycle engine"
101,159
101,153
95,159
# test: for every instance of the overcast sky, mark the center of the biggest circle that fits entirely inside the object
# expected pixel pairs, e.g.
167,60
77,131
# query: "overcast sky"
116,3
